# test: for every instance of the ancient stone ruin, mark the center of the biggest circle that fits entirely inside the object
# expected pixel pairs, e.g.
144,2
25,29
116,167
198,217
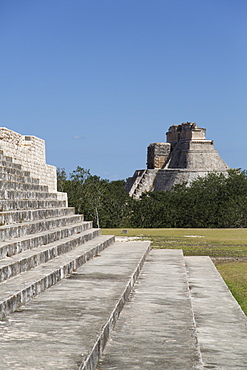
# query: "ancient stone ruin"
185,156
63,285
29,151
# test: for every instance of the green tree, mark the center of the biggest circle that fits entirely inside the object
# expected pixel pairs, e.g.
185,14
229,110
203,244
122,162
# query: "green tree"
215,200
104,202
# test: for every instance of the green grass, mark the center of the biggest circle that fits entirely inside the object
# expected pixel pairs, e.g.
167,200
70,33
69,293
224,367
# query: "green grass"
235,276
209,242
227,247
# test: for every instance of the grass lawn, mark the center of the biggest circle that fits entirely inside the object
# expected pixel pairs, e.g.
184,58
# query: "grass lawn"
227,247
235,276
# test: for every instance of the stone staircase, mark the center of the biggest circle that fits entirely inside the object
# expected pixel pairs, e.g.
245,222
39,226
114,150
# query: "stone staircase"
45,249
42,240
141,182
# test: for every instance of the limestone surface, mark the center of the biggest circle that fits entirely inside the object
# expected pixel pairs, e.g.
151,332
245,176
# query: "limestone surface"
29,152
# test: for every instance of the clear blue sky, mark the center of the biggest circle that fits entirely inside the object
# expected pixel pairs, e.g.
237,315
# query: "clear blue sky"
100,80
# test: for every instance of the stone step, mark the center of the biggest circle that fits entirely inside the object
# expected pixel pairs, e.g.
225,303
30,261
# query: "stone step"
221,324
7,165
22,262
18,245
67,326
11,185
8,232
14,171
7,162
13,217
4,157
8,205
26,195
156,328
6,176
20,289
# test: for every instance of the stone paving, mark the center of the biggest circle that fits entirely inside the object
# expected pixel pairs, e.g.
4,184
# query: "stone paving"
221,324
156,328
59,328
180,315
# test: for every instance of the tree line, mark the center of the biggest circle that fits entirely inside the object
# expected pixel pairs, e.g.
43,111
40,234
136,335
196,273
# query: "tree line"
214,201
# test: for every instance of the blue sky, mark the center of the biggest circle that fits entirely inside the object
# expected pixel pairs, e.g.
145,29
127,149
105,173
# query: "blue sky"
100,80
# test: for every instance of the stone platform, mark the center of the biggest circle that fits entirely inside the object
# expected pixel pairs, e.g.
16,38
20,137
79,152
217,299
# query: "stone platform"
180,315
67,326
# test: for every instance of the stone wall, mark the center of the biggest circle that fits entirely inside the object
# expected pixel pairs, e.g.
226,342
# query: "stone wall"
157,155
185,131
29,151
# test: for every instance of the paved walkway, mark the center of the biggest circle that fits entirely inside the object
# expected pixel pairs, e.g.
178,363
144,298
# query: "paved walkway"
221,324
179,316
58,329
156,329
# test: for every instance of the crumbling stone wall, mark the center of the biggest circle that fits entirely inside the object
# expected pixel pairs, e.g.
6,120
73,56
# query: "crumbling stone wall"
157,155
185,131
29,151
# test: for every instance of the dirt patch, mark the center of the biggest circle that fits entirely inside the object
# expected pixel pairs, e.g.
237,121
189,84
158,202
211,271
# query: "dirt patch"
219,260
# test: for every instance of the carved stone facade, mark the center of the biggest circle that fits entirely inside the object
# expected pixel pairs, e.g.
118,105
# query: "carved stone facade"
185,156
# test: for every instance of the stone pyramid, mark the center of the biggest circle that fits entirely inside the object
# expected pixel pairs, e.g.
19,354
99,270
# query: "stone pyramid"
185,156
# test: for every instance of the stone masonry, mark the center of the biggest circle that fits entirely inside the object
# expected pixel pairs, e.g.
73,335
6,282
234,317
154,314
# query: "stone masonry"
185,156
43,245
29,152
